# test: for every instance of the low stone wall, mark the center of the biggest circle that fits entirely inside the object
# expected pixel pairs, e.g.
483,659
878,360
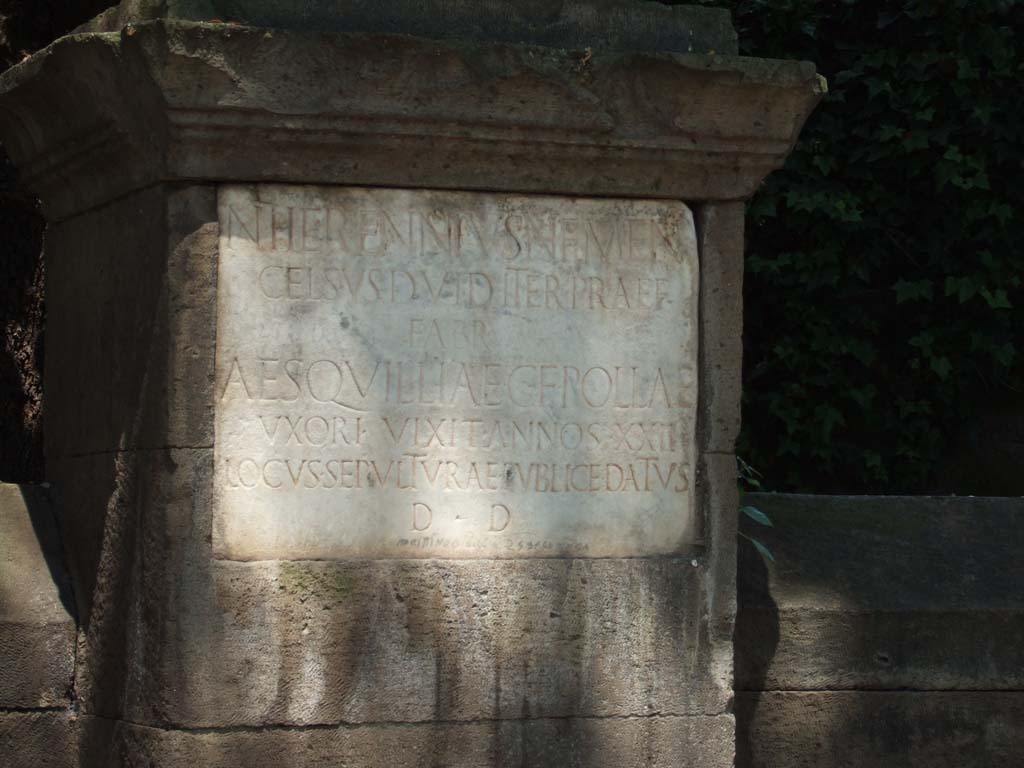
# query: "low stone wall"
37,635
889,631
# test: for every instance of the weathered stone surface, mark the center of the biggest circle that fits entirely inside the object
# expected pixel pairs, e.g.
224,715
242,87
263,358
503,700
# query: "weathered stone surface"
423,374
305,643
38,740
147,513
853,729
460,640
172,638
613,25
883,593
720,230
37,628
131,338
131,372
650,742
140,514
37,634
136,283
174,100
716,490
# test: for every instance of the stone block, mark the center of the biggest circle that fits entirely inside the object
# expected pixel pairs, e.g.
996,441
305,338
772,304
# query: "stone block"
130,361
895,729
37,628
883,593
648,742
720,231
135,520
183,101
38,740
718,496
378,641
222,644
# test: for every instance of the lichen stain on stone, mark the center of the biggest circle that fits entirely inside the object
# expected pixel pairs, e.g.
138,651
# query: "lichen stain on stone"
313,580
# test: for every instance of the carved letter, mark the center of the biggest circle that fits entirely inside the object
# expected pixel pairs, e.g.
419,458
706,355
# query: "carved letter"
422,516
501,516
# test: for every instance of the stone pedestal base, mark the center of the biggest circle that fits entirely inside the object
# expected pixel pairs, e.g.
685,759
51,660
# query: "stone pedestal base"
189,658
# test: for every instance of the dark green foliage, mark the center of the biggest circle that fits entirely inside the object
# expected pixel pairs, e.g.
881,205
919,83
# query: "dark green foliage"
884,263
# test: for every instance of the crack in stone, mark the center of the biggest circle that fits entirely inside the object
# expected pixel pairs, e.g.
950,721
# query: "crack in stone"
345,725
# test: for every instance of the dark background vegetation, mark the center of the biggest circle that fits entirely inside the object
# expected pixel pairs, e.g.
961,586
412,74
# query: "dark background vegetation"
884,329
884,335
25,26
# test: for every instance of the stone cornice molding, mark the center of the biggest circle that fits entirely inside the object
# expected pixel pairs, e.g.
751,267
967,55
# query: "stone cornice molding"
167,101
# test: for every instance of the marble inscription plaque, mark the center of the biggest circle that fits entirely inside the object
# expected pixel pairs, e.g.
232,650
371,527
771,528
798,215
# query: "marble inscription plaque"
435,374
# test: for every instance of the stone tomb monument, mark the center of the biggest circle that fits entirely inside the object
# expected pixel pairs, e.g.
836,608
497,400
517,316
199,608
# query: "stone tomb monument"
392,374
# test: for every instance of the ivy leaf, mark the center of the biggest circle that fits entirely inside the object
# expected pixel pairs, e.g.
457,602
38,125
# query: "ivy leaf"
863,350
862,396
876,86
765,552
1005,353
872,459
1001,211
757,515
829,417
886,18
996,299
964,287
967,289
965,70
942,367
953,154
887,132
914,140
907,290
923,340
824,163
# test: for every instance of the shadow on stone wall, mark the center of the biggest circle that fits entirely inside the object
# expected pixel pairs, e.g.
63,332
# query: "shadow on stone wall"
889,631
755,642
25,27
39,503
